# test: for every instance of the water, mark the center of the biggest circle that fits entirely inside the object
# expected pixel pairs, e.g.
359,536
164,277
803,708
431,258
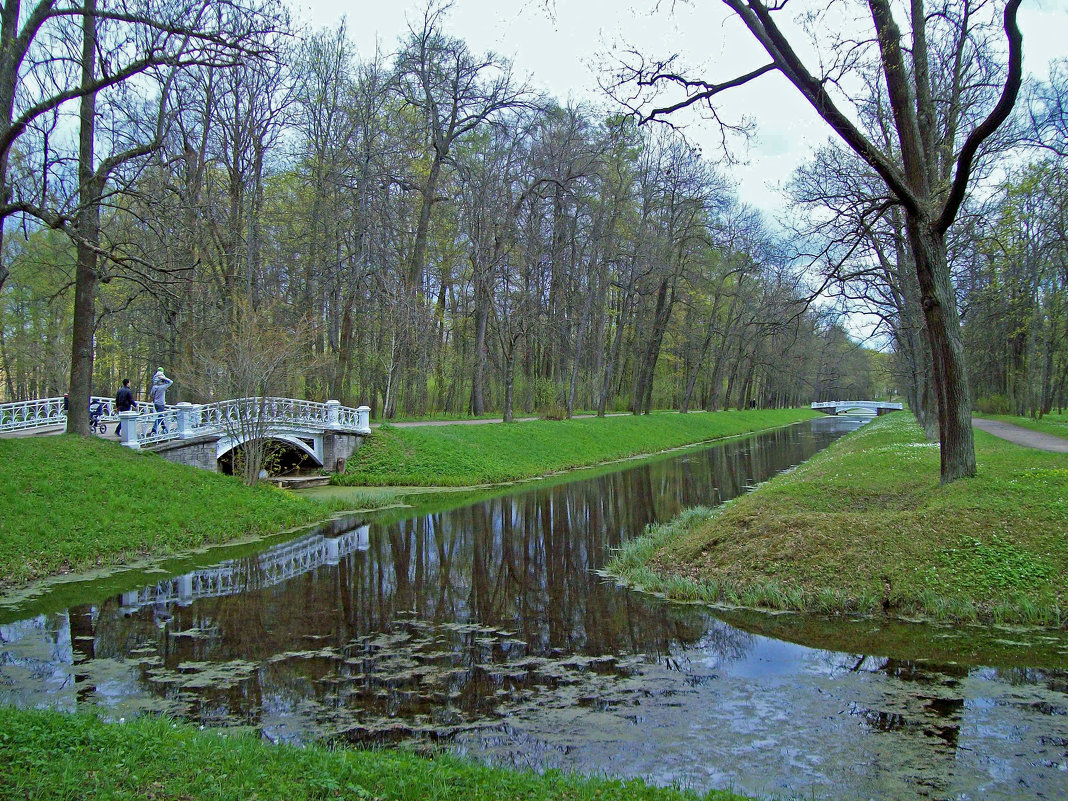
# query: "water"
479,625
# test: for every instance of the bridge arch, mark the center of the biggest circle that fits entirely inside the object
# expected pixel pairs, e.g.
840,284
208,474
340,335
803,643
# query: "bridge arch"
850,409
227,445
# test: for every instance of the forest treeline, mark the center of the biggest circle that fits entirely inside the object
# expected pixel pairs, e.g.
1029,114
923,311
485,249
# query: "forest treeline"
421,233
418,231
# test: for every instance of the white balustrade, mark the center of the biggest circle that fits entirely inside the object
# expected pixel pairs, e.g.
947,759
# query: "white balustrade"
47,412
145,426
363,420
857,404
32,414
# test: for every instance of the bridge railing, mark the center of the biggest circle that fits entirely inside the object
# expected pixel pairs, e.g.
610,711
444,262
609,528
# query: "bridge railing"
109,413
857,404
239,411
185,420
243,416
32,414
149,427
46,412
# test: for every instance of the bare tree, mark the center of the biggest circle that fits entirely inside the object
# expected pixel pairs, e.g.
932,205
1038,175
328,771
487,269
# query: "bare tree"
932,85
251,356
118,41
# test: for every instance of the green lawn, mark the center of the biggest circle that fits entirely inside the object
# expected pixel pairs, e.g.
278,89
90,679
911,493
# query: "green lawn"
865,527
470,455
70,504
52,755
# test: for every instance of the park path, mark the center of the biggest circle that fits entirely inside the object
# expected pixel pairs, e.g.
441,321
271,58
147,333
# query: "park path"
482,420
1022,436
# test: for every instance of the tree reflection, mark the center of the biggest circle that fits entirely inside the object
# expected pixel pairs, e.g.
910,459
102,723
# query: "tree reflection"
447,618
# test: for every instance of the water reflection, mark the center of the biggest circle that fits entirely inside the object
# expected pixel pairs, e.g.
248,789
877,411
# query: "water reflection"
484,628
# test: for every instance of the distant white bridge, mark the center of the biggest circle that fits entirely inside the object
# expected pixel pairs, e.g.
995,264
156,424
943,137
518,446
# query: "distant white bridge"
837,407
182,431
232,577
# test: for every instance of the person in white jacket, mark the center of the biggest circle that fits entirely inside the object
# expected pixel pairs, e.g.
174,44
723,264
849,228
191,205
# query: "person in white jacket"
158,395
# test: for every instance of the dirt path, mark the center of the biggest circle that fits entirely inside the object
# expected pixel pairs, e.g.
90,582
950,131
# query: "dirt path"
1022,436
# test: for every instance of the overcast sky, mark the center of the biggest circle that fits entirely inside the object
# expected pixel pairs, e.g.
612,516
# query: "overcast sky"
559,47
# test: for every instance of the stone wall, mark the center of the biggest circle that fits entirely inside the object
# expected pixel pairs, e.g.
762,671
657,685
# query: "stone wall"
199,452
338,446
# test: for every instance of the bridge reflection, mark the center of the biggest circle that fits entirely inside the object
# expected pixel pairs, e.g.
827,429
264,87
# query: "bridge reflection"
236,576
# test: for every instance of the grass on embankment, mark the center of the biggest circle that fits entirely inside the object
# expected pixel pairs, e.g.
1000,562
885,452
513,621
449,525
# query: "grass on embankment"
865,527
1053,423
70,504
51,755
469,455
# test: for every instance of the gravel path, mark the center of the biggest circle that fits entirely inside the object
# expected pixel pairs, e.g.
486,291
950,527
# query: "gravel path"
1022,436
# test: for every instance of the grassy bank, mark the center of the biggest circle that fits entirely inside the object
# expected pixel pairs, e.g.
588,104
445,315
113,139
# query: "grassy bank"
51,755
1053,423
468,455
865,527
70,504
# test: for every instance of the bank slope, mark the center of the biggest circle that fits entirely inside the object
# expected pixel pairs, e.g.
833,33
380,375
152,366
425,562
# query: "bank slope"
471,455
865,527
72,503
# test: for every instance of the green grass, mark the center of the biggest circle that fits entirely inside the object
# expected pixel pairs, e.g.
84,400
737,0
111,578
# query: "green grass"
70,504
471,455
1053,423
865,527
51,755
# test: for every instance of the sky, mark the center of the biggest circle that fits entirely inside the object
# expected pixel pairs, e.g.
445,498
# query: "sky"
559,47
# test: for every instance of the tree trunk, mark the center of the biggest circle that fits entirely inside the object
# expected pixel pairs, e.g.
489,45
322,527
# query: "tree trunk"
509,384
88,228
478,373
613,356
417,263
702,354
947,353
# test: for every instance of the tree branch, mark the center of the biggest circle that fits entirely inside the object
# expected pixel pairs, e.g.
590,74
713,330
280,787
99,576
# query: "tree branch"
998,115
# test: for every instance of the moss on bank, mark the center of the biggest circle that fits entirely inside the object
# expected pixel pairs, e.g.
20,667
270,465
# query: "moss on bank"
865,527
470,455
51,755
71,504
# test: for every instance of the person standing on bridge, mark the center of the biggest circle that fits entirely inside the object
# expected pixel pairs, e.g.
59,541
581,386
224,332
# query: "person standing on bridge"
158,394
124,401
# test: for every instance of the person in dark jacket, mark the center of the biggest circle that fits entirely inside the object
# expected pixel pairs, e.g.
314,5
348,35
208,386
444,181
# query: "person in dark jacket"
124,401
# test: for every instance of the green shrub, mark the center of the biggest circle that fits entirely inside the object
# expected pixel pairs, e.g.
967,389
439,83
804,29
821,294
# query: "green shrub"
993,404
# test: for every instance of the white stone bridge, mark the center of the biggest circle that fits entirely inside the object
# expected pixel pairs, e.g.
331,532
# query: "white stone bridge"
200,434
837,407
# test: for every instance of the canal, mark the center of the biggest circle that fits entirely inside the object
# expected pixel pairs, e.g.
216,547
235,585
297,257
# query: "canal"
478,623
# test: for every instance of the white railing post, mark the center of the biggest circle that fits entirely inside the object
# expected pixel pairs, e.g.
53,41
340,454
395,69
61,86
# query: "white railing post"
363,419
129,429
332,409
188,418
